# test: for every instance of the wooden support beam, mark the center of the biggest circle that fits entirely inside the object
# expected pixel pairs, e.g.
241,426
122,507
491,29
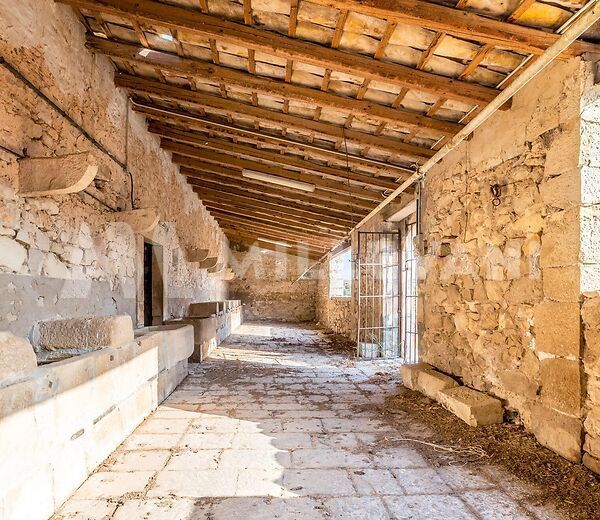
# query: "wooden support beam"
158,113
179,94
232,178
200,139
204,187
323,186
242,216
232,209
179,18
213,199
462,24
251,83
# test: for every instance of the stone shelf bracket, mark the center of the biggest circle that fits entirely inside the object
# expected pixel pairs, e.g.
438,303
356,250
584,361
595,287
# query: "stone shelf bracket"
142,220
217,268
228,275
197,255
47,176
209,263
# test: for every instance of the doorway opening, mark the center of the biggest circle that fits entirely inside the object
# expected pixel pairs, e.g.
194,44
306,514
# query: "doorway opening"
153,285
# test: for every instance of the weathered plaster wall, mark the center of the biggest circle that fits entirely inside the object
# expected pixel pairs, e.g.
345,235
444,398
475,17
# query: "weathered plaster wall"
62,256
266,283
501,284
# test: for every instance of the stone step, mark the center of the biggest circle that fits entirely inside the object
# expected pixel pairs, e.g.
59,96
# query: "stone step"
473,407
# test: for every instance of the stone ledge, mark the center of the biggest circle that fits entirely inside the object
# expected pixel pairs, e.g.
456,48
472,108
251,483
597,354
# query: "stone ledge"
410,374
426,379
473,407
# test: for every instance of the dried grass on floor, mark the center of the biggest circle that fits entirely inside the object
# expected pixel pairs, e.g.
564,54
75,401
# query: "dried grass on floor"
571,487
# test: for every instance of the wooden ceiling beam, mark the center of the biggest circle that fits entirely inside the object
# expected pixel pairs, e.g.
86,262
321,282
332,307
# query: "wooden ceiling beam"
459,23
273,234
232,178
170,116
259,227
251,240
179,94
200,139
285,223
277,210
322,186
251,83
196,22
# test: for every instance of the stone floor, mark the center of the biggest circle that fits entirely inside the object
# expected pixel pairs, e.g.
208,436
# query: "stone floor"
277,425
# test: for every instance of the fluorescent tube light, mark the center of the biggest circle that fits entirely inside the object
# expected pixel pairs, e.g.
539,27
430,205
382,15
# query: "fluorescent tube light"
276,242
145,52
168,37
297,185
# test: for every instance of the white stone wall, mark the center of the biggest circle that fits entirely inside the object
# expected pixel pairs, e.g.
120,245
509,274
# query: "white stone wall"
63,256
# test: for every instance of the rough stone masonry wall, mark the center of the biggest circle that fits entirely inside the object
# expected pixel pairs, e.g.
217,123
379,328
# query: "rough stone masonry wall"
266,284
501,285
62,256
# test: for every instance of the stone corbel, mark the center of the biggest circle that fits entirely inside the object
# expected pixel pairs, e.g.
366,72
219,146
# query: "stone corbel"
209,263
197,255
228,275
217,268
46,176
140,220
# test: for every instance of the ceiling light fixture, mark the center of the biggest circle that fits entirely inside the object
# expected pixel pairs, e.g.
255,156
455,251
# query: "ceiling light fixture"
297,185
168,37
276,242
145,52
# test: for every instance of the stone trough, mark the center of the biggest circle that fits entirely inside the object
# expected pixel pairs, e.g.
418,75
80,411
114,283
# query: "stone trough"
59,421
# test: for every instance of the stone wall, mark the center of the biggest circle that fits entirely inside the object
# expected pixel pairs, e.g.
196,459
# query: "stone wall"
336,314
591,363
501,281
266,283
64,256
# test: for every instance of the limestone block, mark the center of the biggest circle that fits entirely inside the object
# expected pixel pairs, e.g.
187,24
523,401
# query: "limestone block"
561,283
142,220
561,191
205,309
590,238
16,356
56,175
12,254
514,381
83,333
216,268
558,432
590,191
557,328
197,255
561,384
473,407
592,463
410,374
560,240
431,383
592,445
54,268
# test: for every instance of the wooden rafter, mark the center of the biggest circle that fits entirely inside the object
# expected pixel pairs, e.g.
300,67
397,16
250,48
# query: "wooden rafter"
179,18
199,139
275,206
178,94
234,178
172,63
323,186
273,234
251,239
223,183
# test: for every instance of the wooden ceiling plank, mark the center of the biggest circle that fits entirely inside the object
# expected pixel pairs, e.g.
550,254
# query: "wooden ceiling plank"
274,234
191,67
199,139
169,92
456,22
252,240
196,22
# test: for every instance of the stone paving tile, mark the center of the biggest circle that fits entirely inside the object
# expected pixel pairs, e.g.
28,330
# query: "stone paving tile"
267,428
